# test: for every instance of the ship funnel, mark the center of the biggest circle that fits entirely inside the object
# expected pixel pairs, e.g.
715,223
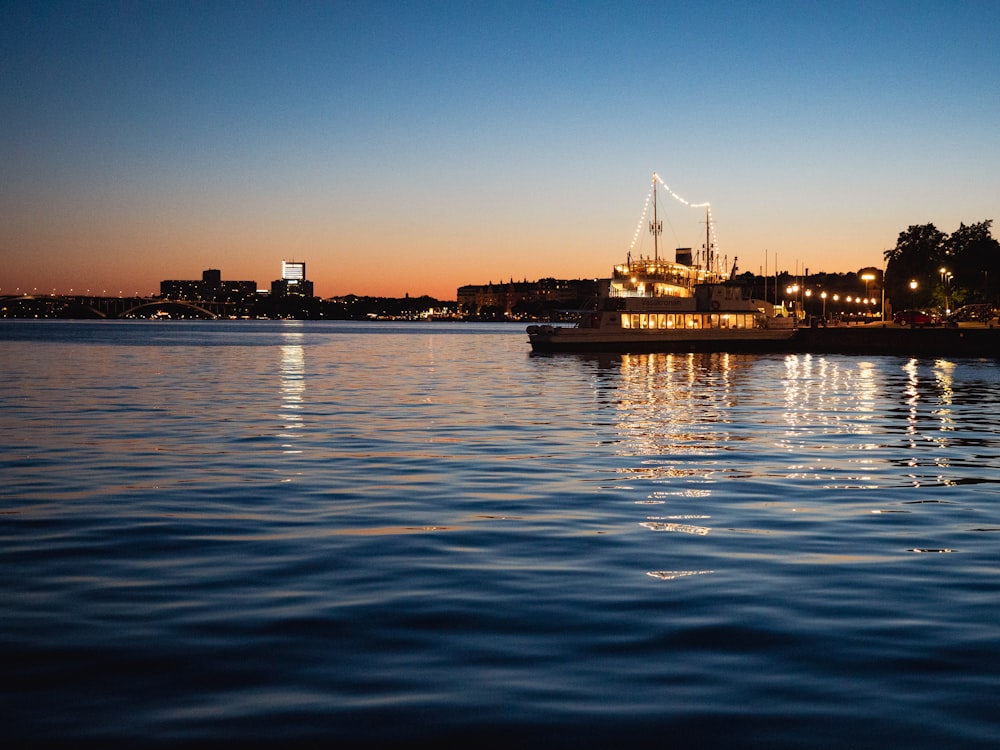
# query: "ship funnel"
684,256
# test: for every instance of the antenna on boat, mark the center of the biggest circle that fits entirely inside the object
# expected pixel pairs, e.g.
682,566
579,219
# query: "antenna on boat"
655,226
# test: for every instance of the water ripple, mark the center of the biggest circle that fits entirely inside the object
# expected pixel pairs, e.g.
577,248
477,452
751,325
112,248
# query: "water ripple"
375,534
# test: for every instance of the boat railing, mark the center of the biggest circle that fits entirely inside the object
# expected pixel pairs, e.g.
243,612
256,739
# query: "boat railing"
652,290
663,270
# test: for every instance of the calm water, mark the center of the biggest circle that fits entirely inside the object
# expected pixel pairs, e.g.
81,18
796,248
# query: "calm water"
376,532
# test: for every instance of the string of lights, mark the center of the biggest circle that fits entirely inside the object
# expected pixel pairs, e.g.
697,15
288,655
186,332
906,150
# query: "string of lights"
679,199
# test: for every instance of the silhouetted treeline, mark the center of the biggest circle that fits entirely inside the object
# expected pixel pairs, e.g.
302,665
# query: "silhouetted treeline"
350,307
353,307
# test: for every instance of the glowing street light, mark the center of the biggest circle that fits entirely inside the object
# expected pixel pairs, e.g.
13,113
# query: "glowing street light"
868,278
793,292
822,296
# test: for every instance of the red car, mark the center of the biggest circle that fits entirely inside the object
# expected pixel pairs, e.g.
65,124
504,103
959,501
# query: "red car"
914,318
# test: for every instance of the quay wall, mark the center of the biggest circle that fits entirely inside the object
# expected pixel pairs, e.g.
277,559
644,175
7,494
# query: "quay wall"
982,342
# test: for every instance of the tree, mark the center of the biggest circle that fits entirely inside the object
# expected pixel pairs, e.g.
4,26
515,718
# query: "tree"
974,258
918,255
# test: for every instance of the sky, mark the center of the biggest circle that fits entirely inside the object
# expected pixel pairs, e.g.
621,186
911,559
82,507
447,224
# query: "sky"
414,147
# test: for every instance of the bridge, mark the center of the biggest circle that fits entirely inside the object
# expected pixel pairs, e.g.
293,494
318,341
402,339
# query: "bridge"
91,307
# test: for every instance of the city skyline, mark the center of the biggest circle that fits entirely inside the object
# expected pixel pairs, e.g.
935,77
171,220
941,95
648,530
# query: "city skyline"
415,149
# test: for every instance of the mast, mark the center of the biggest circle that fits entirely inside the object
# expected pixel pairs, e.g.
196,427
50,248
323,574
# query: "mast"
655,226
708,242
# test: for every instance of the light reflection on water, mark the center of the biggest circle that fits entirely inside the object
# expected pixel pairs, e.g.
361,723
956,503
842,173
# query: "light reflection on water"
368,532
293,387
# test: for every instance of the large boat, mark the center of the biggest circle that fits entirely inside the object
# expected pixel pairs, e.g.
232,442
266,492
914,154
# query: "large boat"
652,304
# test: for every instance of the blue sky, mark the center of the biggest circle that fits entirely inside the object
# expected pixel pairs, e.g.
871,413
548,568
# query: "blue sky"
414,147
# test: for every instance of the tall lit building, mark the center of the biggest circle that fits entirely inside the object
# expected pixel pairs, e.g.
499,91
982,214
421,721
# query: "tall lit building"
293,281
293,271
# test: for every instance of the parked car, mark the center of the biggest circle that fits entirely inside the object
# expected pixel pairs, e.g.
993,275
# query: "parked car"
915,318
978,313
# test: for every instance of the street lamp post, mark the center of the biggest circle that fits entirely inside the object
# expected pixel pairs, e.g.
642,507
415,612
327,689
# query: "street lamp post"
946,283
868,278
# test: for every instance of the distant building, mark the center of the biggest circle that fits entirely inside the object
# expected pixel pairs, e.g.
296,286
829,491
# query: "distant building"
210,288
293,270
542,294
293,281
